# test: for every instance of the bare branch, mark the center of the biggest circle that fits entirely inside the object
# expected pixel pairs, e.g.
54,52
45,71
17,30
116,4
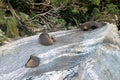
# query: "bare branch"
37,4
48,12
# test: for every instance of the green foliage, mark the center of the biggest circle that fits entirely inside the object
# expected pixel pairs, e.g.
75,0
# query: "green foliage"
1,13
3,38
56,2
96,11
95,2
24,16
68,11
56,20
21,5
1,17
60,2
32,14
112,9
75,11
12,27
66,2
96,14
84,9
58,23
1,3
107,1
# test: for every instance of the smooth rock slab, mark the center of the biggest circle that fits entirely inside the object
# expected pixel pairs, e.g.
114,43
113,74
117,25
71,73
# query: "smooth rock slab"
76,55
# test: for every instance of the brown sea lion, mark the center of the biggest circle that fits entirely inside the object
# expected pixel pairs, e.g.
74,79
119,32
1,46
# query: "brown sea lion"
46,39
91,25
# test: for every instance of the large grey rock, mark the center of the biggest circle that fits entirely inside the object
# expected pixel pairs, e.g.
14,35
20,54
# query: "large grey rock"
76,55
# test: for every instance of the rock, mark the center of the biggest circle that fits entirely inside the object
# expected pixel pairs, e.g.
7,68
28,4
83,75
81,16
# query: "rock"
76,55
32,62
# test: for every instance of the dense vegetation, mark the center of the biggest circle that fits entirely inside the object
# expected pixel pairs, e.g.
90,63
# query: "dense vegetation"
27,17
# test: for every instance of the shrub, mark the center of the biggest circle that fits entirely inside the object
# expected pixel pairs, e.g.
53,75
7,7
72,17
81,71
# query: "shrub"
112,9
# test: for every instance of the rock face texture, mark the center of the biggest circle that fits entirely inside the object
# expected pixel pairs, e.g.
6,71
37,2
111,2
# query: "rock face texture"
76,55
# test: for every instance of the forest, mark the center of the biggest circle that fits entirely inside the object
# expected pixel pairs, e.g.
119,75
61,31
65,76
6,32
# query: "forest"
21,18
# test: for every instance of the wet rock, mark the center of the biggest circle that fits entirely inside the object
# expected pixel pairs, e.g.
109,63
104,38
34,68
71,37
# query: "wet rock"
32,62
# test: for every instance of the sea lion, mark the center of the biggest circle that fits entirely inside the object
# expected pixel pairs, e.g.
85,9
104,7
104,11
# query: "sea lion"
91,25
46,39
